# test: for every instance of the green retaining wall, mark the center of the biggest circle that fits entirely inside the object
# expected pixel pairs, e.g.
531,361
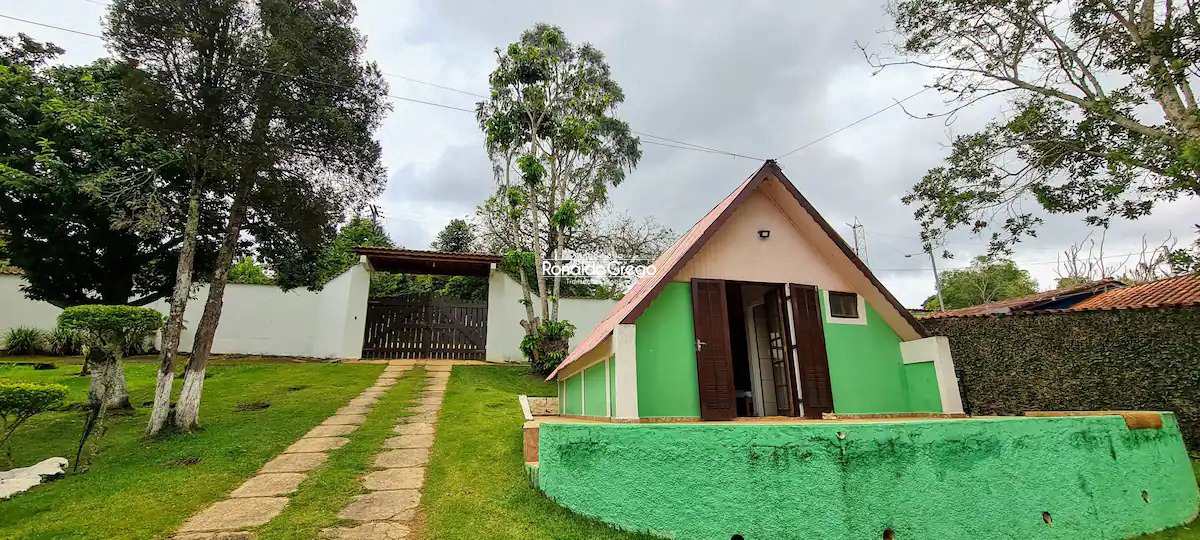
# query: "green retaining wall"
666,356
867,373
972,478
595,391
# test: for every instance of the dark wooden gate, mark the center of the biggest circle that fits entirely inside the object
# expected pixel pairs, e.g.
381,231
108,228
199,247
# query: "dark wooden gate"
714,361
403,328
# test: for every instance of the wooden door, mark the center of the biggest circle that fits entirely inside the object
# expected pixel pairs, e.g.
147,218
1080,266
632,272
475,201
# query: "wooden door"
816,394
404,328
781,371
714,361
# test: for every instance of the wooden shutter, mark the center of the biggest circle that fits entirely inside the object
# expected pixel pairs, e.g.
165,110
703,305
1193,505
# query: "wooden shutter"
714,363
809,343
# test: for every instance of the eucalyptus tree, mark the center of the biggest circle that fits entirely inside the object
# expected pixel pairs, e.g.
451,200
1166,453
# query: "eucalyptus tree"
1103,114
557,148
296,107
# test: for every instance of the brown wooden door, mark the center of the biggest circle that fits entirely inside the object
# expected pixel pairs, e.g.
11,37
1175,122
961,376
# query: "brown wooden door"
714,363
816,394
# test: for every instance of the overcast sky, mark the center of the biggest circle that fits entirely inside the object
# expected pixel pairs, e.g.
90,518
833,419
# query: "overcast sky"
757,78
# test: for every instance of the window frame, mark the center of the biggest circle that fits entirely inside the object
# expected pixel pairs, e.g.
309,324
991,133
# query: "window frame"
860,307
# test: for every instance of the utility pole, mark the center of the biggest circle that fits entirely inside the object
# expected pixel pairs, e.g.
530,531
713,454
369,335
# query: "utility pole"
937,280
860,239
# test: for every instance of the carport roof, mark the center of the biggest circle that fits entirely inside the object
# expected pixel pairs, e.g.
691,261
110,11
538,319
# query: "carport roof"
412,261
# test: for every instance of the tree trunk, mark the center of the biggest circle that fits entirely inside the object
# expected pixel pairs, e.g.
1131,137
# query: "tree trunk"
187,410
108,378
174,327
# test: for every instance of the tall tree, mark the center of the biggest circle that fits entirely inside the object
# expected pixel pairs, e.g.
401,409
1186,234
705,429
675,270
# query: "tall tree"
984,281
1104,118
556,149
296,107
68,136
457,236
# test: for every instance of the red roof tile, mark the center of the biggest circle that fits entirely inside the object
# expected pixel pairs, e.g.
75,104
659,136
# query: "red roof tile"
10,270
1174,291
1027,302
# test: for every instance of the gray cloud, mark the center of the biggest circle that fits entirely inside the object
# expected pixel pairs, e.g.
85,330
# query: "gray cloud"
759,78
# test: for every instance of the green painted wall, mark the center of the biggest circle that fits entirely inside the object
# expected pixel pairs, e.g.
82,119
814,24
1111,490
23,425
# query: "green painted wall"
866,371
595,395
612,386
666,355
573,401
973,478
920,382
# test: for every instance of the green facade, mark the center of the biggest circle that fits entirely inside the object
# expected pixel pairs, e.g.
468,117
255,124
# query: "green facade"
573,398
666,356
612,386
595,391
867,373
1091,477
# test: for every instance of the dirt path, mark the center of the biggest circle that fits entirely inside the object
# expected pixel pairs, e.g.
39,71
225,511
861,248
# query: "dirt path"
264,495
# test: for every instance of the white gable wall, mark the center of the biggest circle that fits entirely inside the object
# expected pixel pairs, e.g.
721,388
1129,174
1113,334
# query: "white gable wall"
798,251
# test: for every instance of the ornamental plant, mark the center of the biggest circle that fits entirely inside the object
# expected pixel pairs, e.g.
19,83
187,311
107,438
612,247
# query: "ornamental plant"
106,332
21,401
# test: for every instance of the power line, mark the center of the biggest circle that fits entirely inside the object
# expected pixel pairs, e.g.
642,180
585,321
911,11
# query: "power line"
1019,263
851,124
35,23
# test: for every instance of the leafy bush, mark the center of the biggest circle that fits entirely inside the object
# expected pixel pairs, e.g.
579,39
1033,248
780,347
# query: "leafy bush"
1128,359
25,340
63,342
21,401
112,326
550,342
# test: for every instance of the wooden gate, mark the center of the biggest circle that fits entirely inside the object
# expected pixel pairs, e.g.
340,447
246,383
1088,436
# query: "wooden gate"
402,328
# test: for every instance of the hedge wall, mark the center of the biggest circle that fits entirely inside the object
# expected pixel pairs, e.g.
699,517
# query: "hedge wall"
1145,359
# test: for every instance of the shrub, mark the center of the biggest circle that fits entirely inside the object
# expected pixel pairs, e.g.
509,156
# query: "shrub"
1127,359
63,342
25,340
111,326
21,401
550,341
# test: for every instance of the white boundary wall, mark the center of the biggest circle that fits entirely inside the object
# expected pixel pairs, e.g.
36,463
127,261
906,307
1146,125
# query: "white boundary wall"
256,319
505,313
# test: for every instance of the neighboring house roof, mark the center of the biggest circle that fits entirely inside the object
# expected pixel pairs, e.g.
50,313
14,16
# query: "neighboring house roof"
10,270
631,306
414,261
1174,291
1031,302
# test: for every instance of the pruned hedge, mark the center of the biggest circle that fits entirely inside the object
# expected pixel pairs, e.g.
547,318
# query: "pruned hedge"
1145,359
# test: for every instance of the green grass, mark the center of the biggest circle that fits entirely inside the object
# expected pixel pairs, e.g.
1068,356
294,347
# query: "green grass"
331,487
139,488
476,485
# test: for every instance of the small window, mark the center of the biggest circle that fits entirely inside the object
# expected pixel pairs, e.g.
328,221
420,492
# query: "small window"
843,305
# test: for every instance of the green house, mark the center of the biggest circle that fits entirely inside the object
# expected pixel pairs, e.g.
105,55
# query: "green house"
760,310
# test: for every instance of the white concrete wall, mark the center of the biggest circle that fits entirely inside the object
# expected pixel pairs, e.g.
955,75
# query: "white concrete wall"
256,319
505,313
16,310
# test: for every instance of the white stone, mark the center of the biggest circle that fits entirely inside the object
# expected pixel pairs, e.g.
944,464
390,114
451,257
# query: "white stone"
22,479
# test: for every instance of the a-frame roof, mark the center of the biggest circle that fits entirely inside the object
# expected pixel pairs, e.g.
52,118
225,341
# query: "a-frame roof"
639,297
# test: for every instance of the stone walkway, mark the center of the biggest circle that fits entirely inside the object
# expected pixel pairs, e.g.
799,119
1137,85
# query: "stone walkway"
263,496
393,488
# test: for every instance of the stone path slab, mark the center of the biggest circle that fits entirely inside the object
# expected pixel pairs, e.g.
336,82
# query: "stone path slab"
268,485
316,444
393,490
232,514
262,497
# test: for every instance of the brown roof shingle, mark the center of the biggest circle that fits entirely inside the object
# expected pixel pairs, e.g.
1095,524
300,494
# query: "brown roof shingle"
1027,302
1173,291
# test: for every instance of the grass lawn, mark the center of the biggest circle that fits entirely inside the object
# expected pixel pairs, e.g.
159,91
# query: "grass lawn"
138,488
332,486
476,485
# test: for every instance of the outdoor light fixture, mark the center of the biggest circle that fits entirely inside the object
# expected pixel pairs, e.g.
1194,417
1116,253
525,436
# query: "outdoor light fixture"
764,234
